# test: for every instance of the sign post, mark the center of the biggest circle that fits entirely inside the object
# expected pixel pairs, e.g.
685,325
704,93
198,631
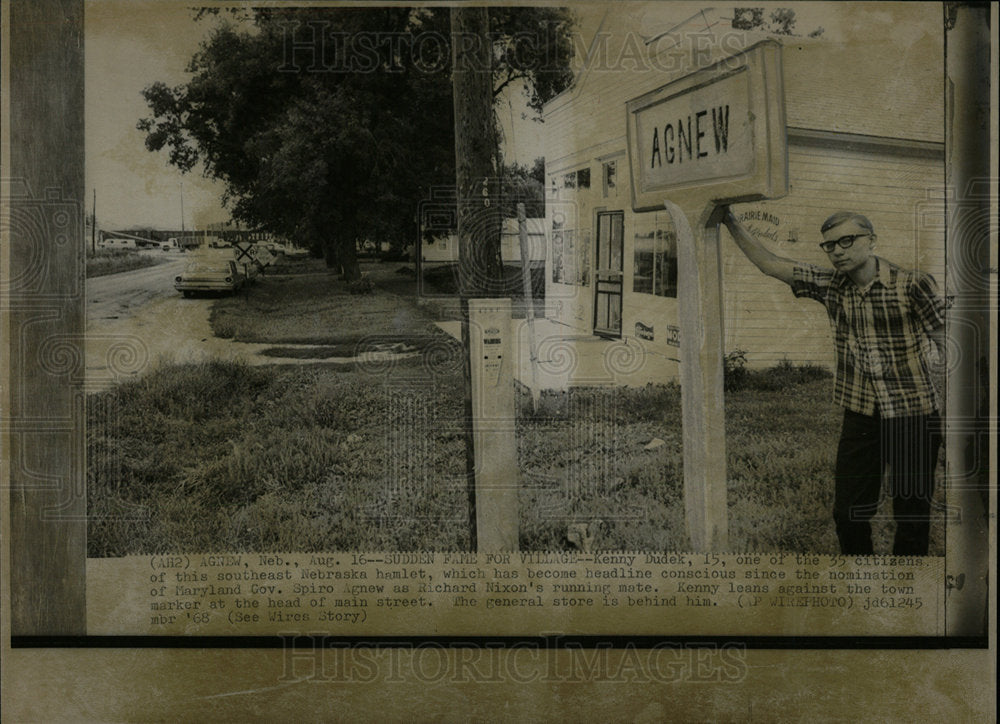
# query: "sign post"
699,300
494,442
245,253
713,137
529,302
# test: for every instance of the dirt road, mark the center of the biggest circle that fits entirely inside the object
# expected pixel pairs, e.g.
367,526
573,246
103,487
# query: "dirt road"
116,296
137,319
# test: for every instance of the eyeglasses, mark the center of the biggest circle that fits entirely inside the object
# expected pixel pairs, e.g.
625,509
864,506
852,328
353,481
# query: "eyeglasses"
844,242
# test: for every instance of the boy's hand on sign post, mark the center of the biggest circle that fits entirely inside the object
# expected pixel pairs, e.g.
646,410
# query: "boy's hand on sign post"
768,262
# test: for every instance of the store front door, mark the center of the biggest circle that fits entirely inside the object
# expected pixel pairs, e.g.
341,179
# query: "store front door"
608,258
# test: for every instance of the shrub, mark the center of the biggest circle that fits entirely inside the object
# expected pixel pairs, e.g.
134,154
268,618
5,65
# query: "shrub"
734,370
785,374
782,376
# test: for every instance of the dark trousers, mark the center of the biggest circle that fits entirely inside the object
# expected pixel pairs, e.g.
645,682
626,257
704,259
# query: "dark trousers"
908,446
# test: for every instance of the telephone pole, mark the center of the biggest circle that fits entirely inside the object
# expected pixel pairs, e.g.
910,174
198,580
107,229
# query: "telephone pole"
486,338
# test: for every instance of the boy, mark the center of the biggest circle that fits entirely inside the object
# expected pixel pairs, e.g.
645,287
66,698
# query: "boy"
882,317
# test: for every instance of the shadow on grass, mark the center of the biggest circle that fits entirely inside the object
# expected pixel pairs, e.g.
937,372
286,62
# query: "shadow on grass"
356,347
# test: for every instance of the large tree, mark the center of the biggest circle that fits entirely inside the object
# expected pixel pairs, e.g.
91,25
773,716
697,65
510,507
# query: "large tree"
327,125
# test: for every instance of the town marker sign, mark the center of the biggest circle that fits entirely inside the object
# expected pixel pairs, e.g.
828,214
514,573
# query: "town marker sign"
713,137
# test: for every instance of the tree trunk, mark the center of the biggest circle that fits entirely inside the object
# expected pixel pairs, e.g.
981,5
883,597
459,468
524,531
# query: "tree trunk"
330,255
479,267
350,269
477,176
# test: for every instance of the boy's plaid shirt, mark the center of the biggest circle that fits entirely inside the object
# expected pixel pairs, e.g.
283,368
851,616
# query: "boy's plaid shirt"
880,335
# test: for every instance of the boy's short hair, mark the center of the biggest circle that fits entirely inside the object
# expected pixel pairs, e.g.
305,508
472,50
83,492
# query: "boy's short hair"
841,216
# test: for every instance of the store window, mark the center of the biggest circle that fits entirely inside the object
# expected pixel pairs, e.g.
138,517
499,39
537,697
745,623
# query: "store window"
654,269
609,172
579,179
570,253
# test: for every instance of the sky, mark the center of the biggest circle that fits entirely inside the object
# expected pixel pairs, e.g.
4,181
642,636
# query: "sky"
128,46
131,44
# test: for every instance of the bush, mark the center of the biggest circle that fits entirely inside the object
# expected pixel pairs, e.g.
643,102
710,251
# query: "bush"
734,370
444,279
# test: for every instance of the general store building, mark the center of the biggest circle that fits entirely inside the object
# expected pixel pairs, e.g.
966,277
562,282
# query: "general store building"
864,132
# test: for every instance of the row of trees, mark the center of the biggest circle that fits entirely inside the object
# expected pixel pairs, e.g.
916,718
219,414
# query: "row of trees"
330,124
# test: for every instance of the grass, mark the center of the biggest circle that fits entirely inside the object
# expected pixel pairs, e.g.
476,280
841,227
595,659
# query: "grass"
591,465
113,261
226,457
304,303
223,456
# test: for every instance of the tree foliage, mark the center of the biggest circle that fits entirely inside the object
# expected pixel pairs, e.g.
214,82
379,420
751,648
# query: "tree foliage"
780,21
521,184
329,125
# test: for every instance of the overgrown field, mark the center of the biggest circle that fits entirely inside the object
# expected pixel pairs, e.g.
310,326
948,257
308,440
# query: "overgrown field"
113,261
227,457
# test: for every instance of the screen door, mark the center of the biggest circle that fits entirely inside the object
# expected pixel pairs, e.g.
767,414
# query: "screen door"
608,296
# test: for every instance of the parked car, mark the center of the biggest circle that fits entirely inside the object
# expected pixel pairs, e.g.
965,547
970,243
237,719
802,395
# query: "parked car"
210,275
292,252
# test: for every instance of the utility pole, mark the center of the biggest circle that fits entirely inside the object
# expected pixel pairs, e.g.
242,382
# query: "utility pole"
47,499
480,268
93,226
486,340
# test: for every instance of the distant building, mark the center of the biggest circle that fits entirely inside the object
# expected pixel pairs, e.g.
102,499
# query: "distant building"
444,247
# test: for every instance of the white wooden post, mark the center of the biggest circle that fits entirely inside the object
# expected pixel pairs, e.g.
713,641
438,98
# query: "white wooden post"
699,298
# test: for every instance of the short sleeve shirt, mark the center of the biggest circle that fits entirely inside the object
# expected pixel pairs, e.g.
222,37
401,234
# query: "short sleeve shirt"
881,336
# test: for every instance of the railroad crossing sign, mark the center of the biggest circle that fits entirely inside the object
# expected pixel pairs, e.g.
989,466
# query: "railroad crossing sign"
715,136
246,252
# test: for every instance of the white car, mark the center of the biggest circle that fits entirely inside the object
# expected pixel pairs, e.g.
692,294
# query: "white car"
210,275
